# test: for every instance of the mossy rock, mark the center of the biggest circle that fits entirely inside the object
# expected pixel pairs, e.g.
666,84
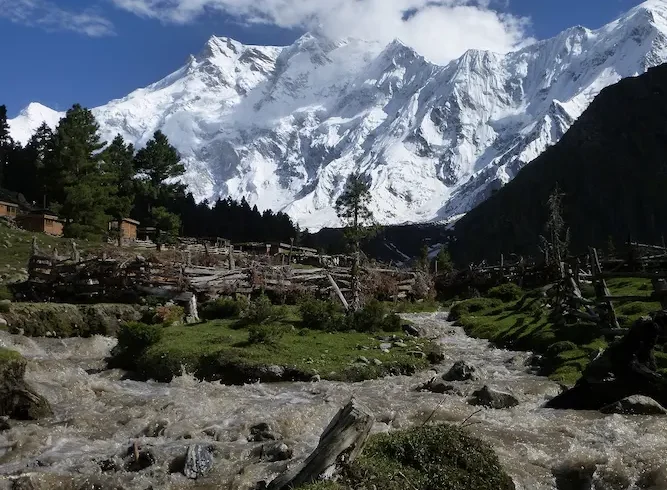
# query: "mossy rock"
17,399
438,457
65,320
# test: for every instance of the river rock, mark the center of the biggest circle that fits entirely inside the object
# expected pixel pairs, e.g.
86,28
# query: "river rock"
138,459
4,424
17,399
410,329
377,362
400,344
155,428
385,346
316,378
490,398
262,432
437,385
575,477
635,405
461,371
3,322
276,451
363,360
198,461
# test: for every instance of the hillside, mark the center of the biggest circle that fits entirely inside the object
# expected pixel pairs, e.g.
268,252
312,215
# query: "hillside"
284,126
612,167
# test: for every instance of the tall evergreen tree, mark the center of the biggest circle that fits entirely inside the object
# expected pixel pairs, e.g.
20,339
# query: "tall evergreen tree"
118,166
353,210
6,144
157,164
76,181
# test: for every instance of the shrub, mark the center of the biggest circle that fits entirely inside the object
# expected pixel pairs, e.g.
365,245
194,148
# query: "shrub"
468,306
371,318
260,311
222,308
169,315
5,307
428,458
322,315
5,293
560,347
265,334
506,292
635,308
133,340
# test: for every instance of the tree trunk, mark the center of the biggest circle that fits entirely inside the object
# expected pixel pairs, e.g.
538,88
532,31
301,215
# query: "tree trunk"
341,442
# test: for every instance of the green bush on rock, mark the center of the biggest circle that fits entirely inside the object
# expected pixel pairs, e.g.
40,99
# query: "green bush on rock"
222,308
133,340
506,292
322,315
432,457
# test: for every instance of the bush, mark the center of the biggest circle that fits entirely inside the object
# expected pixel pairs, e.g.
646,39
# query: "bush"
373,318
5,307
133,340
265,334
222,308
560,347
5,293
428,458
468,306
506,292
169,315
322,315
260,311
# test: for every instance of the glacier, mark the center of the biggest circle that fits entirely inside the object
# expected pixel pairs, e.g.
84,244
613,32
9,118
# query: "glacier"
285,126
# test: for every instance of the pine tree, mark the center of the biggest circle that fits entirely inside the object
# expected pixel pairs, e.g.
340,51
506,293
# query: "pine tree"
157,163
6,144
423,258
557,240
34,157
353,210
76,181
444,261
167,225
118,165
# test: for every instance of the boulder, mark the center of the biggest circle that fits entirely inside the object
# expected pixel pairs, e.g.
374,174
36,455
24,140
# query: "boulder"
490,398
438,385
410,329
198,461
17,399
635,405
138,459
4,424
461,371
275,451
575,477
262,432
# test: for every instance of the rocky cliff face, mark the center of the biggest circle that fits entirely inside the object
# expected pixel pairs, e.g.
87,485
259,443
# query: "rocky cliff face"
284,126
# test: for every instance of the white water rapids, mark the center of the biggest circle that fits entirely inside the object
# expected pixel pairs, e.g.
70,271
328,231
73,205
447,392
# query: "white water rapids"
98,415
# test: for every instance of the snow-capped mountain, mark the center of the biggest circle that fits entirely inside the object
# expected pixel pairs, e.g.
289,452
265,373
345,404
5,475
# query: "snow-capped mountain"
284,126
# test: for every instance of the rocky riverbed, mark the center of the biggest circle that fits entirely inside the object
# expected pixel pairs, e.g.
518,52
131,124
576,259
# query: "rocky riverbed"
121,433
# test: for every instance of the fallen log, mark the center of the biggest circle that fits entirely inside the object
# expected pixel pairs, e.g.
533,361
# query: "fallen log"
341,442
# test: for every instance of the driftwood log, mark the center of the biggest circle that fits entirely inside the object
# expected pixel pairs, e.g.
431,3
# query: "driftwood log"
341,442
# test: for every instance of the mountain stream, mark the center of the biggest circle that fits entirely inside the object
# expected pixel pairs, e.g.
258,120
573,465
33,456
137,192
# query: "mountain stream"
98,414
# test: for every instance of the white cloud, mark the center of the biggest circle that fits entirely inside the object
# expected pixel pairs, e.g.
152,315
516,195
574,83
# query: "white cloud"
51,17
440,30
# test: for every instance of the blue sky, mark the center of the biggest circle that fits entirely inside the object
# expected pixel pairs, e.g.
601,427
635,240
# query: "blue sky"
58,52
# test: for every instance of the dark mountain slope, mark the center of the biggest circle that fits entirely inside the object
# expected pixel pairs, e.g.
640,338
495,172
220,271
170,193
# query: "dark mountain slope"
612,167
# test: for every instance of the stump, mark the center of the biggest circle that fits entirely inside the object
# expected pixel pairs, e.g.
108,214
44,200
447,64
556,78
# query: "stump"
341,442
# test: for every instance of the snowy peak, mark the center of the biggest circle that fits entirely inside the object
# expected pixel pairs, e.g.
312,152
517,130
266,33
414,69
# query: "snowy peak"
284,126
30,118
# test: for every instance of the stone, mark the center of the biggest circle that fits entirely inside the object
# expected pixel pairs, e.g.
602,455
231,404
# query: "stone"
410,329
138,459
490,398
635,405
439,386
387,417
385,346
4,424
17,399
400,344
363,360
417,353
461,371
575,477
155,429
198,461
277,451
262,432
377,362
3,322
316,378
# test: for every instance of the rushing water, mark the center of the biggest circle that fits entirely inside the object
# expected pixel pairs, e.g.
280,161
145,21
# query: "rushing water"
99,415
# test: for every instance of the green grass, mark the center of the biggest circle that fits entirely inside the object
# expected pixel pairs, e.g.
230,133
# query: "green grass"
527,325
220,350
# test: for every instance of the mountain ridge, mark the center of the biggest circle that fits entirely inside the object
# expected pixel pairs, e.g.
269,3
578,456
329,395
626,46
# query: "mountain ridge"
284,126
